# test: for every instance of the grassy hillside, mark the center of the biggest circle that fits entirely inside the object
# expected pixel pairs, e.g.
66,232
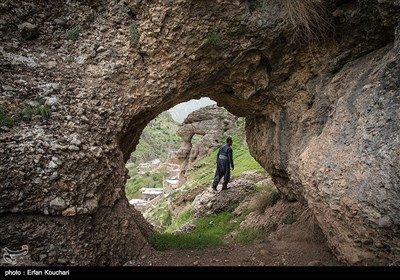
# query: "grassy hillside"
203,173
147,180
203,170
157,140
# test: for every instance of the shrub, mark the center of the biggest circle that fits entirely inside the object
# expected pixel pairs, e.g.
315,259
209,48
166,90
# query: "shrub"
69,59
134,35
27,110
213,38
289,219
309,18
266,199
73,34
273,198
5,119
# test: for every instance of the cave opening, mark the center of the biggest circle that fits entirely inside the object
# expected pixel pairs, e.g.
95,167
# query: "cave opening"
176,155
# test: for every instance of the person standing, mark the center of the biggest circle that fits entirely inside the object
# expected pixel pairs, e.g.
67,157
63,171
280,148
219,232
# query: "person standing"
224,164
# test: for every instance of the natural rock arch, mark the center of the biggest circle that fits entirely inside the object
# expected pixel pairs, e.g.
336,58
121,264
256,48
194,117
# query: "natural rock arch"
322,120
213,124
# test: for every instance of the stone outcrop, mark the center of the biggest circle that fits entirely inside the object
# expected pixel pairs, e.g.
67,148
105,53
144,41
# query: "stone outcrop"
321,117
211,202
213,124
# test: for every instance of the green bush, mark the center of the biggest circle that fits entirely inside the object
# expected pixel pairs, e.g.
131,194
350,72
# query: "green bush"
24,112
27,111
273,198
213,38
90,17
73,34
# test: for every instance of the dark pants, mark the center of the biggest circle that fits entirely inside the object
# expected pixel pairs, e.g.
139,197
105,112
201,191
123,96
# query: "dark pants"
223,170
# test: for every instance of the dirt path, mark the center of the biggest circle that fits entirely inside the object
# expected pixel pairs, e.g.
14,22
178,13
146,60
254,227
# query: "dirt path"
292,245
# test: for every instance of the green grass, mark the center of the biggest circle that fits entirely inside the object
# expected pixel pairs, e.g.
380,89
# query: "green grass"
183,218
209,232
157,140
26,110
242,158
261,187
196,139
136,182
160,215
248,235
204,170
73,34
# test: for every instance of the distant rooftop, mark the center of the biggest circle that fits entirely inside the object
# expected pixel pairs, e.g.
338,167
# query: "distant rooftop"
152,190
172,182
138,202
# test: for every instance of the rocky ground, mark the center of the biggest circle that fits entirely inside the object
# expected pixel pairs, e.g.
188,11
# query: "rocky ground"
295,242
284,249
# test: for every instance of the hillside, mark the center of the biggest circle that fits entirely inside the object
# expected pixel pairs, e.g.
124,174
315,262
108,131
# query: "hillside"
203,171
200,176
157,140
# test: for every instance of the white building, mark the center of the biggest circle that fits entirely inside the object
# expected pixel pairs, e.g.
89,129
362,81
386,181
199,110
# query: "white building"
137,202
150,193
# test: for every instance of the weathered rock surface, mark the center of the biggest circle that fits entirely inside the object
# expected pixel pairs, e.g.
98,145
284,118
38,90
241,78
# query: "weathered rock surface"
321,118
213,123
212,202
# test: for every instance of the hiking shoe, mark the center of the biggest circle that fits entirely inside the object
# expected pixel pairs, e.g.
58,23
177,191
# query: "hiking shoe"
224,189
214,189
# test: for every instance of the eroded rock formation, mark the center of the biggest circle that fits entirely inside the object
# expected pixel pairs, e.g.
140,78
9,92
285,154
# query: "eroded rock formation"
322,118
213,124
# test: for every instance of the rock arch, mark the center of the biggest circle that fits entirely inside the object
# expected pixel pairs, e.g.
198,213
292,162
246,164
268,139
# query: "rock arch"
213,123
322,120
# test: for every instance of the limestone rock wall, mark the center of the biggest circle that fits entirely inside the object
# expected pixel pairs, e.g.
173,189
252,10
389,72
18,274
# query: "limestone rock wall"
321,117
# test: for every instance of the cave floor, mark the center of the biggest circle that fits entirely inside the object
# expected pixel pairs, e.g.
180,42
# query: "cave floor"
288,246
